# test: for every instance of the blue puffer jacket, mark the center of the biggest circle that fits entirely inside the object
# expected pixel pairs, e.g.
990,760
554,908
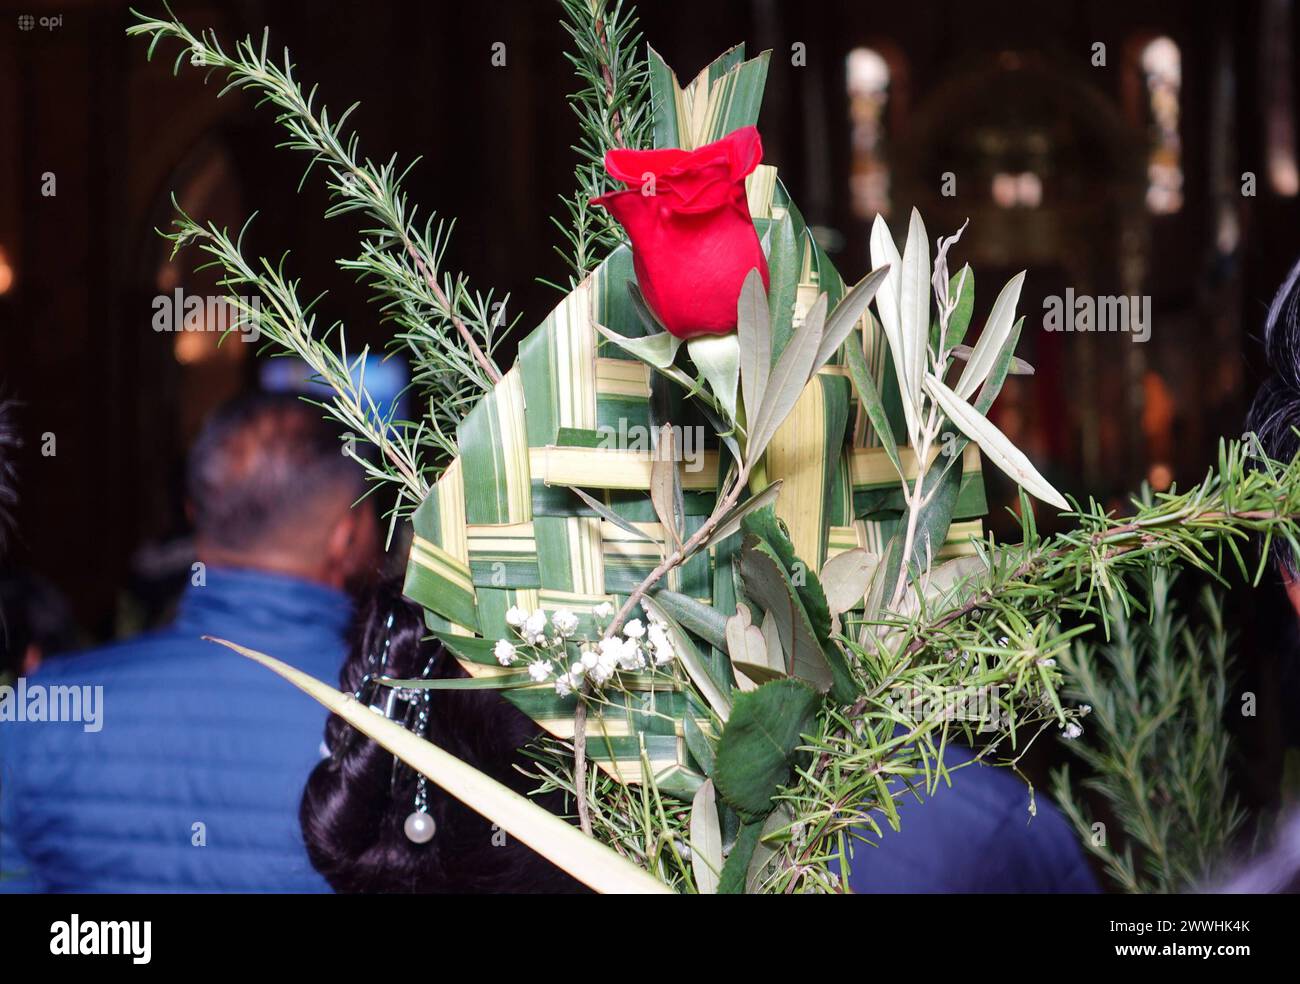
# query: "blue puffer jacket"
975,836
197,746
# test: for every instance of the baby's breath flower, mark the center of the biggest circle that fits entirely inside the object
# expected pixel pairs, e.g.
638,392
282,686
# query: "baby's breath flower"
605,666
564,684
540,670
634,629
516,616
1073,730
504,652
534,629
564,622
603,610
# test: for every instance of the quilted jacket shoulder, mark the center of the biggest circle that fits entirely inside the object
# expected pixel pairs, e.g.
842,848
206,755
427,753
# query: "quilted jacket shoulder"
191,779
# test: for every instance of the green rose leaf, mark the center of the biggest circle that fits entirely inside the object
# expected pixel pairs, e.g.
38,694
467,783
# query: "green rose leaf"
759,745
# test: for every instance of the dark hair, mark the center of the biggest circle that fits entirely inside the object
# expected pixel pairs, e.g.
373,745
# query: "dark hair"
32,613
1275,410
10,442
353,812
259,466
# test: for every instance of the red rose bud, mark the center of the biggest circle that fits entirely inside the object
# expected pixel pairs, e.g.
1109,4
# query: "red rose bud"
693,241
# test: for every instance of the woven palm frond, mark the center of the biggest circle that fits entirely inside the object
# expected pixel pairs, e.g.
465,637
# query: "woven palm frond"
503,527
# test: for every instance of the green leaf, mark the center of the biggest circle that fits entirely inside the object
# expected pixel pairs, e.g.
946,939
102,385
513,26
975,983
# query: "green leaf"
736,868
1005,365
847,314
789,377
768,585
759,745
749,651
658,350
609,515
731,522
885,253
706,840
1015,367
784,268
994,443
680,783
991,339
664,483
846,577
765,525
500,681
691,661
914,305
768,843
961,284
865,384
694,616
754,330
718,358
698,744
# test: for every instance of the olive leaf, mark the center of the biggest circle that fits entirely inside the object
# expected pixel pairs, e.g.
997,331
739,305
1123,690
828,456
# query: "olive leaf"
697,744
609,515
963,285
845,578
993,442
784,267
885,253
1017,367
665,481
691,661
995,332
754,331
848,312
914,305
873,406
706,840
730,522
789,377
752,658
694,616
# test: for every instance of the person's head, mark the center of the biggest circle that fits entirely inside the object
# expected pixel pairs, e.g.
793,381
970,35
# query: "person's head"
35,623
1275,411
270,488
357,799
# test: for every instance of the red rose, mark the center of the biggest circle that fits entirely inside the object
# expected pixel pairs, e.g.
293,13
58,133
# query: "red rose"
693,241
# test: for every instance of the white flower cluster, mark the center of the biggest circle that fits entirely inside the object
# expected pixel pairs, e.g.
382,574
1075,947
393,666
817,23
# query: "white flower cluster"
598,661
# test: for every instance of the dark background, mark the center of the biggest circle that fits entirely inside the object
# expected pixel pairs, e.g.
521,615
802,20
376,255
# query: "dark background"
975,89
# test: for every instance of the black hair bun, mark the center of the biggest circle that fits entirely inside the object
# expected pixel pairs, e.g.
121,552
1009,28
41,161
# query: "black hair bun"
352,815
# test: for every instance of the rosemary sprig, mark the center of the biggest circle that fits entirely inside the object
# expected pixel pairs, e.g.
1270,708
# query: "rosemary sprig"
449,331
612,111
